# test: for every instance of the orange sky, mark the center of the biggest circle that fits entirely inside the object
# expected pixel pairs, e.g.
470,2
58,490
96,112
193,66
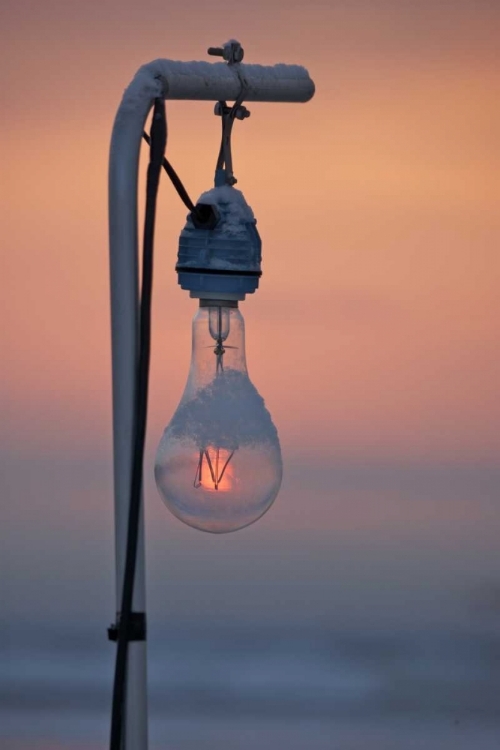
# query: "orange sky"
377,204
387,181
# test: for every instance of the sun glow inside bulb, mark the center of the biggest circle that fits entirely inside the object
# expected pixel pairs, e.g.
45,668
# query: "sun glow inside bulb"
218,466
213,471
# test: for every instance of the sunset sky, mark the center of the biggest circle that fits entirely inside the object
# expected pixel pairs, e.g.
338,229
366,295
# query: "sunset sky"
373,338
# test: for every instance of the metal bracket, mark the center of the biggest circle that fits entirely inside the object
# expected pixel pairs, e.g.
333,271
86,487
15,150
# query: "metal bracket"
232,52
224,171
222,110
136,630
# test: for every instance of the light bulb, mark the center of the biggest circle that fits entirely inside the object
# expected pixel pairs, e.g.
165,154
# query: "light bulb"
218,465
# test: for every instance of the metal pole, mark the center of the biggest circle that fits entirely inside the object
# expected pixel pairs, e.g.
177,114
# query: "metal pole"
123,173
172,80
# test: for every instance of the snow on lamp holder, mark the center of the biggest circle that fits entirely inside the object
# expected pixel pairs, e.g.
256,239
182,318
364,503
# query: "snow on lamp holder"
218,466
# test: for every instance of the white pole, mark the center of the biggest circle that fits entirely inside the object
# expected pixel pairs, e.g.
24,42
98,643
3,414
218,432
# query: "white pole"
123,172
172,80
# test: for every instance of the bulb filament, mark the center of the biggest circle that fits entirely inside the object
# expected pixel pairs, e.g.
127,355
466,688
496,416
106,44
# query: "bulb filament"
219,352
219,331
214,467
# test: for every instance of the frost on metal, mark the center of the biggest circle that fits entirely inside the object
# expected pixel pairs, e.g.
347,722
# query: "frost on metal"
216,82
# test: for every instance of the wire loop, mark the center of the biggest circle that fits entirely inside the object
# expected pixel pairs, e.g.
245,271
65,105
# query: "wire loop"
228,116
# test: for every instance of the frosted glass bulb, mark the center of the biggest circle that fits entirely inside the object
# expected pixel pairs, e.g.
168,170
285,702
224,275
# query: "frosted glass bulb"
218,466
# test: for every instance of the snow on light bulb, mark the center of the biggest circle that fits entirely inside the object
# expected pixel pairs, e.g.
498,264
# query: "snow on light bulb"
218,466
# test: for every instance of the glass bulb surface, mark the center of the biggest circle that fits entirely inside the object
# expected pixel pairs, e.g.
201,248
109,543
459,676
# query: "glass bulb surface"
218,465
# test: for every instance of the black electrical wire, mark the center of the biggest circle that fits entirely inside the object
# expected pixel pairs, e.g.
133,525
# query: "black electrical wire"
157,142
176,180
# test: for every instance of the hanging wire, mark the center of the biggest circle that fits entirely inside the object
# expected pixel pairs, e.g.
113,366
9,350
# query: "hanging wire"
175,179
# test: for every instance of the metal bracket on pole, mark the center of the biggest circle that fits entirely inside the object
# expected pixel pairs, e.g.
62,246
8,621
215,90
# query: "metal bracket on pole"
195,81
136,630
231,51
224,169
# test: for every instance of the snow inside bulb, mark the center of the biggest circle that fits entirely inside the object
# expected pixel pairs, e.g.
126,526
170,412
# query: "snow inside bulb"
218,465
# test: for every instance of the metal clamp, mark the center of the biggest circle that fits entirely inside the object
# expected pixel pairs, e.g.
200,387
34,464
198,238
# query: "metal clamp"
136,630
232,52
222,110
224,170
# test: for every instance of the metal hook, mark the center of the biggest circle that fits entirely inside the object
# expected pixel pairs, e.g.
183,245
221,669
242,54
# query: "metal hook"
225,160
233,53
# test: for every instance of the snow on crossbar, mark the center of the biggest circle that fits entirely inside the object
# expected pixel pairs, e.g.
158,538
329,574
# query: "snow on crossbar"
206,81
